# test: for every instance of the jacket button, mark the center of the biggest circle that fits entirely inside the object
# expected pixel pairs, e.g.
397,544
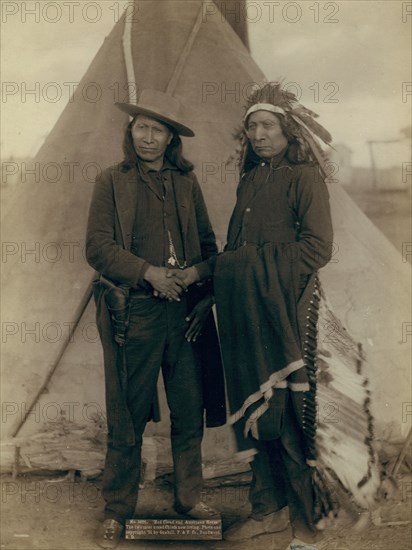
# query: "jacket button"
247,210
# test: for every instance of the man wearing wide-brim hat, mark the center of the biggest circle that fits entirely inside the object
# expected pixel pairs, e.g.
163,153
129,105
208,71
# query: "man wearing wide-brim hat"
147,221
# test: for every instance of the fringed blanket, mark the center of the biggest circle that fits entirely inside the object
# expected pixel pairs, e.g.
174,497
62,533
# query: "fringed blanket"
257,291
268,327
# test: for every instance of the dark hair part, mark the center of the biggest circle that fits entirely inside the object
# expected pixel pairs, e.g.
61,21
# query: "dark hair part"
173,152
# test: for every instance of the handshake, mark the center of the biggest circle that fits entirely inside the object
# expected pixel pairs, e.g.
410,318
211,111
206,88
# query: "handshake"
170,283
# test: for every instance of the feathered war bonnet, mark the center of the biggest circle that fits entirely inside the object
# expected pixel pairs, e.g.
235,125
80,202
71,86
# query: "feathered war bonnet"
298,124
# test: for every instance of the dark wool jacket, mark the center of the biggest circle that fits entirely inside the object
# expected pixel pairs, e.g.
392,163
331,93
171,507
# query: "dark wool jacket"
108,244
280,234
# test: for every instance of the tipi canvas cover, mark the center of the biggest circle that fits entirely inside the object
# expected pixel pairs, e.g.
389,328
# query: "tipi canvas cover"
50,342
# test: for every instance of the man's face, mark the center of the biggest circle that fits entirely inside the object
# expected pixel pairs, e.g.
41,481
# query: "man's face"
265,134
150,138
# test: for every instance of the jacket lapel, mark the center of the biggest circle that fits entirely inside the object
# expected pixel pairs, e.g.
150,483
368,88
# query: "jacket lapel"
183,192
125,196
150,184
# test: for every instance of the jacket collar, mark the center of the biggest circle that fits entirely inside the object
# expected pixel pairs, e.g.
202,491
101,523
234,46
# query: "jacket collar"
146,174
144,168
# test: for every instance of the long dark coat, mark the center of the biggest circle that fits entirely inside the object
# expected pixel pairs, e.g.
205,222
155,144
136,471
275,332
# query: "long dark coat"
108,243
266,289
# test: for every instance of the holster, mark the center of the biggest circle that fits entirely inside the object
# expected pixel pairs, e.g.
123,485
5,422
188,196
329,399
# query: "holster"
117,298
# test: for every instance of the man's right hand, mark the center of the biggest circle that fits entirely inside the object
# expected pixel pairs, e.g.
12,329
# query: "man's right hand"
165,283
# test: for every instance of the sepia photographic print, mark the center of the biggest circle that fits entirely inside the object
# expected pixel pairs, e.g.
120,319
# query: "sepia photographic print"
206,274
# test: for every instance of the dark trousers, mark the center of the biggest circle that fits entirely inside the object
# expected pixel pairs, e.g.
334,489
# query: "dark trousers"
155,340
281,477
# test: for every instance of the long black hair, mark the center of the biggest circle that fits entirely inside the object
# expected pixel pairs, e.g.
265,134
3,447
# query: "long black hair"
174,151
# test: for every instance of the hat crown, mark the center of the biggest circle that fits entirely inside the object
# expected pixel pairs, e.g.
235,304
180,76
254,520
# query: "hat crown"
165,105
160,106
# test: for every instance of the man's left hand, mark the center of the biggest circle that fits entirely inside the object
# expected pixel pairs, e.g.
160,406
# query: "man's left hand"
187,276
197,318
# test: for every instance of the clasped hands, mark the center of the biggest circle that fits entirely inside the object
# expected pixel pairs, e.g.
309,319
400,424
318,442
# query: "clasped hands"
170,283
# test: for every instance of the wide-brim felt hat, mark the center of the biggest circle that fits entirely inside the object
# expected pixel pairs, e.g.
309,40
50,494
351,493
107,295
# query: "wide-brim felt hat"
160,106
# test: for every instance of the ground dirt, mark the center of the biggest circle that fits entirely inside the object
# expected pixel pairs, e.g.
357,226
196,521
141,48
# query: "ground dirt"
55,513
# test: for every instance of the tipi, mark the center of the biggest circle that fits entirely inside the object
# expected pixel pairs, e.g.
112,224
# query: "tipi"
188,48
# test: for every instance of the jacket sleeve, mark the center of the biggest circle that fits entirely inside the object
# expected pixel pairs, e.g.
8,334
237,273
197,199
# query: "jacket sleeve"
103,251
207,237
310,203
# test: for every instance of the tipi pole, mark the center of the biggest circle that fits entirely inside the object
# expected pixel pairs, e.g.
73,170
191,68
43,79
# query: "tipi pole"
128,56
78,315
402,454
185,53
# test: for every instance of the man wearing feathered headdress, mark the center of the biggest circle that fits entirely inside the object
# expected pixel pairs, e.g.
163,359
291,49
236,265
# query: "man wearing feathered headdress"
267,293
268,301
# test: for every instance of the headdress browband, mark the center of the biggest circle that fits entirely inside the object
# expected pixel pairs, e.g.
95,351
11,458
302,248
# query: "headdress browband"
300,123
264,107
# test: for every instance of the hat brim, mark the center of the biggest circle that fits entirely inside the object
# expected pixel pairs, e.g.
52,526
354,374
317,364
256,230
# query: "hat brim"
134,110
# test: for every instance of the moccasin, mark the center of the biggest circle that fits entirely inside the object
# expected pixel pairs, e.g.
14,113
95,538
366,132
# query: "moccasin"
109,533
250,527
